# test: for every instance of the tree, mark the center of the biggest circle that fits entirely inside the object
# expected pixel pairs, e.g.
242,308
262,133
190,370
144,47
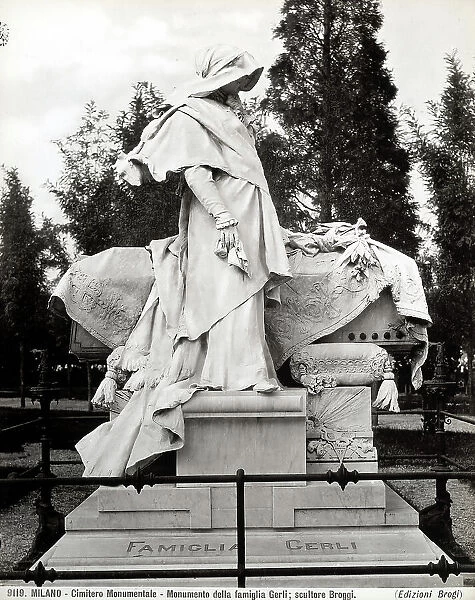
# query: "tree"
102,211
333,95
280,170
85,189
26,251
446,154
151,210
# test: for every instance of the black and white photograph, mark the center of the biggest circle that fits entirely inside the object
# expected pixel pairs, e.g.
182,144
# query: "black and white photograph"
237,299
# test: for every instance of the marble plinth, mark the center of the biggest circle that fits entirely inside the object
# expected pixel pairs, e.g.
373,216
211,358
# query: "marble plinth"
92,543
194,526
260,433
314,504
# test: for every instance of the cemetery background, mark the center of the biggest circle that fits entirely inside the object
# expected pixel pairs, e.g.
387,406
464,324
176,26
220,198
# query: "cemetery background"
89,196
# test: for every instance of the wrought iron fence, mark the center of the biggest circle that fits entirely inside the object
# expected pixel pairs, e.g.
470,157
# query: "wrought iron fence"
51,526
241,572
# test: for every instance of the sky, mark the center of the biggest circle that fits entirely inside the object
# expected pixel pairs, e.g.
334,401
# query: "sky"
62,53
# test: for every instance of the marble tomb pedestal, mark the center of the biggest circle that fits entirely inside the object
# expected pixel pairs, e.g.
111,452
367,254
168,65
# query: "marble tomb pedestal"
288,524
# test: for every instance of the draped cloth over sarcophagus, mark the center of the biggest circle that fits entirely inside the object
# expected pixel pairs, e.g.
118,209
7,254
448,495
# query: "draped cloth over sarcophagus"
107,292
327,293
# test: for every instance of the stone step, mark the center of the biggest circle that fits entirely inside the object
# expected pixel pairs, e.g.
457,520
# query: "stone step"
316,504
356,546
107,509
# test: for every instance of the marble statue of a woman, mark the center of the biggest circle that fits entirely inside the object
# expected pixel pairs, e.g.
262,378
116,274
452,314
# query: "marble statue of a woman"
203,324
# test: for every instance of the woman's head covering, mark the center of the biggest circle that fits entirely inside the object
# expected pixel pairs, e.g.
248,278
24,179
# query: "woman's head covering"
217,66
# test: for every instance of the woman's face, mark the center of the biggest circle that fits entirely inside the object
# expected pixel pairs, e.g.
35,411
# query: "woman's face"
236,86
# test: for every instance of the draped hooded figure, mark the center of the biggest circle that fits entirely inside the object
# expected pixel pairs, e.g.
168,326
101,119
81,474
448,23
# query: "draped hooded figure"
203,324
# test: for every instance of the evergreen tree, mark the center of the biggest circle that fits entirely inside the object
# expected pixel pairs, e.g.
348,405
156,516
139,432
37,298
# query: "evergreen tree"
280,170
447,157
26,251
332,94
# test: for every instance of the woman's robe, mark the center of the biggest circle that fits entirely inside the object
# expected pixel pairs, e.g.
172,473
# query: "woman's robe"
203,324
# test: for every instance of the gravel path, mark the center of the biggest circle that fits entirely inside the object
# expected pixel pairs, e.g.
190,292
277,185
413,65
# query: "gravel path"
421,493
18,523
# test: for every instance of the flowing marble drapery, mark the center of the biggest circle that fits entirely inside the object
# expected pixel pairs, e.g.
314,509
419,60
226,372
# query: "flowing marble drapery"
317,301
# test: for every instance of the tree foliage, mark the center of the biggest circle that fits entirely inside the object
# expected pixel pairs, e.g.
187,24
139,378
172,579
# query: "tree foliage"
332,93
280,169
22,278
102,211
85,189
446,153
151,210
26,252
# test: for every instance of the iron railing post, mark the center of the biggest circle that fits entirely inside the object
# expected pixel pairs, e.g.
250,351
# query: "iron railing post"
241,528
50,522
440,427
435,520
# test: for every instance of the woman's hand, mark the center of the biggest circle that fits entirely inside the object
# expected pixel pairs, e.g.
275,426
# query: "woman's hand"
227,233
227,239
229,247
229,236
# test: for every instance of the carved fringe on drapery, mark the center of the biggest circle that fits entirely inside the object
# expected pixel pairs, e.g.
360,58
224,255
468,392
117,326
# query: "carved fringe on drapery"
136,381
140,379
387,394
106,390
133,359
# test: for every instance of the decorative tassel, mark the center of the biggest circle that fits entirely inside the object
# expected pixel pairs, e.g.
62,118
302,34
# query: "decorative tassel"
105,393
387,394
